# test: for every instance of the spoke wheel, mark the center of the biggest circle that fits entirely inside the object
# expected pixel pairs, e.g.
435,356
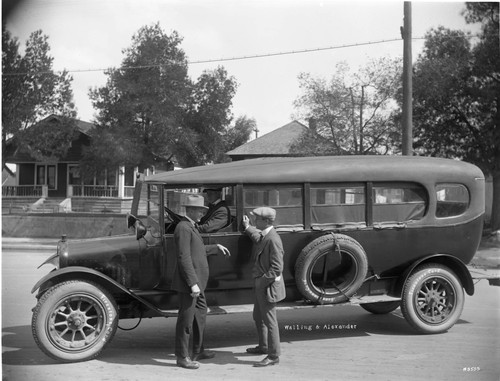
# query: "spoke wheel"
73,321
76,322
433,299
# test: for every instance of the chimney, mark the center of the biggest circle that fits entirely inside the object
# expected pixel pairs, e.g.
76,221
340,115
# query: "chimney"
312,124
256,130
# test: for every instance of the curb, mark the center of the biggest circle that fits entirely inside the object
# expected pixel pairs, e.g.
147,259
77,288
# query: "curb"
29,244
29,247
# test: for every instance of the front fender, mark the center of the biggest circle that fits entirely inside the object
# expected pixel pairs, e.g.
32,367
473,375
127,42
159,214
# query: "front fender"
452,262
74,272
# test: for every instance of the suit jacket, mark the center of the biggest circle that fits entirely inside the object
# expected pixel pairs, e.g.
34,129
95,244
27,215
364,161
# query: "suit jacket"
267,253
192,265
216,218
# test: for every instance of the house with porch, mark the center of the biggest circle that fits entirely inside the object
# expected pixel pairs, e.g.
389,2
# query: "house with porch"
58,186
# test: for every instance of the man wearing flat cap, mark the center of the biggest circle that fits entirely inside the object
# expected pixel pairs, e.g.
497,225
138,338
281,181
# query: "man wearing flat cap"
190,280
267,254
218,215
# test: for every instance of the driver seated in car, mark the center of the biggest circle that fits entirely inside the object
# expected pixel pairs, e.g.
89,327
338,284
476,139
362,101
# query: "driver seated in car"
218,215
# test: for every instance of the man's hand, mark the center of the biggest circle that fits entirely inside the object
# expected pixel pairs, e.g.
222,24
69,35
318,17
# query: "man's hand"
195,291
246,222
224,250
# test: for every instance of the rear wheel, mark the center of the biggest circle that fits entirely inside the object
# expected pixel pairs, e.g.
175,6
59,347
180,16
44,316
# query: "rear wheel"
74,321
433,299
330,269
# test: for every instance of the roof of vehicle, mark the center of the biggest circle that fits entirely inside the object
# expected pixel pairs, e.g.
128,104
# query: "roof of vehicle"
322,169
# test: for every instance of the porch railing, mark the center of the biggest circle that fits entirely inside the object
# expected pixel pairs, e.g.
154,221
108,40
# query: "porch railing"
73,191
94,191
24,191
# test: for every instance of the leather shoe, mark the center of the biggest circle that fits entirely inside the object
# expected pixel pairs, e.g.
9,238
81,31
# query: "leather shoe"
203,355
187,363
257,351
267,361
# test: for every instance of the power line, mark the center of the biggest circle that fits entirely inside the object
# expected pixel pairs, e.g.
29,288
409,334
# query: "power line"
296,51
223,59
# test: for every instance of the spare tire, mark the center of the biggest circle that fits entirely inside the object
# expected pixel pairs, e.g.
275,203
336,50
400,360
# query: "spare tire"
331,269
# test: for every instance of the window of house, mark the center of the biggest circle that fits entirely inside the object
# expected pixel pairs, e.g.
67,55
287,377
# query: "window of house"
129,176
46,175
103,178
399,202
111,178
74,175
100,178
40,175
452,200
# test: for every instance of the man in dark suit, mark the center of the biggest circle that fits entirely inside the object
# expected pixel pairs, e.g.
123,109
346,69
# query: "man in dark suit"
217,216
190,280
267,254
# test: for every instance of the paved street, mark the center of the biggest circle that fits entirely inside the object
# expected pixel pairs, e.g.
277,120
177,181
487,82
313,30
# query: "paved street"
327,343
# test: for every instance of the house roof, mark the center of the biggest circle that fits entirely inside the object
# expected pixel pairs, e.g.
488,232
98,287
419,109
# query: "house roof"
83,127
17,154
275,143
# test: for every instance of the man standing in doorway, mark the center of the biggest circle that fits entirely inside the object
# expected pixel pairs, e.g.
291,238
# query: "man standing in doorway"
267,254
189,280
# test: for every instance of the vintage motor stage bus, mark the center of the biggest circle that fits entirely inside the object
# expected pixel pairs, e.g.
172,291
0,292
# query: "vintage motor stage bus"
382,232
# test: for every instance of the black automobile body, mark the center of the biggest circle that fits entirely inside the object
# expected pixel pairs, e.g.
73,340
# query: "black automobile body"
381,232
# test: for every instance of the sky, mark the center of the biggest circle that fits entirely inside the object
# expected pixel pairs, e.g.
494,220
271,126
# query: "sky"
88,36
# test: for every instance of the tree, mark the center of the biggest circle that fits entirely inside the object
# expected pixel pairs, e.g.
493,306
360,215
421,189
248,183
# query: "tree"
141,105
456,96
152,111
31,90
208,117
237,135
355,112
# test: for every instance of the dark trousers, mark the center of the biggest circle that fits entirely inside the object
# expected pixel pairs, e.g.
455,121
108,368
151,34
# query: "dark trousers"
192,319
266,321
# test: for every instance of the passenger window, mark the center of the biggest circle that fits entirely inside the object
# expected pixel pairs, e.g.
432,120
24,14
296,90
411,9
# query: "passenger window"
332,204
398,202
287,200
175,198
452,200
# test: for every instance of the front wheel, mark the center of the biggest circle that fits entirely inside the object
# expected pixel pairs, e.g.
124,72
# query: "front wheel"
433,299
73,321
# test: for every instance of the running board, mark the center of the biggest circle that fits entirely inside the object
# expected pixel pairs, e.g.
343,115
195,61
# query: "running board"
241,308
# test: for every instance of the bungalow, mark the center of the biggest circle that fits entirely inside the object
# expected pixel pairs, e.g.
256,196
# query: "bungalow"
61,180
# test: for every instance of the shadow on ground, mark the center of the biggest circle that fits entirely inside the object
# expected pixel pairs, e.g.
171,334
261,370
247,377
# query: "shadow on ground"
153,341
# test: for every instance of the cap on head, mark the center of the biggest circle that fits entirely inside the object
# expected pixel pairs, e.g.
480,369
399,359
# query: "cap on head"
194,201
265,212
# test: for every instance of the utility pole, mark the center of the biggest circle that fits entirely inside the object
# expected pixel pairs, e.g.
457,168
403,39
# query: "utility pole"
407,82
